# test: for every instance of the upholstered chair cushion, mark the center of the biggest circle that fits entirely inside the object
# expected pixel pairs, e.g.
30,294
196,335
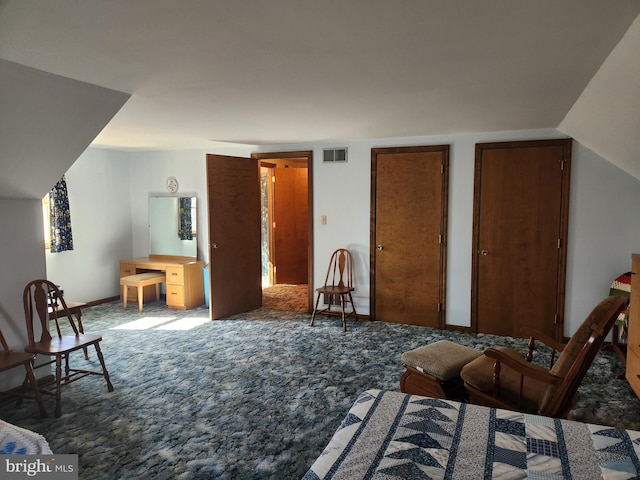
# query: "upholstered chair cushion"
442,359
479,374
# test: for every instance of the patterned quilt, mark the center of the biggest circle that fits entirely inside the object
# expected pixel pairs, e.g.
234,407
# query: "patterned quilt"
391,435
15,440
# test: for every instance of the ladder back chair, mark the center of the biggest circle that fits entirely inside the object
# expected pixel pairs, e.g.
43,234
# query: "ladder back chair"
40,310
9,360
337,283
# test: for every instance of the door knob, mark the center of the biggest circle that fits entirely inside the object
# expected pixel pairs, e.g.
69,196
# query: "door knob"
484,252
215,245
380,247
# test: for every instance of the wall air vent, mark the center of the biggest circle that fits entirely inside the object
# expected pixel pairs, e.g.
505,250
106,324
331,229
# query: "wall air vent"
334,155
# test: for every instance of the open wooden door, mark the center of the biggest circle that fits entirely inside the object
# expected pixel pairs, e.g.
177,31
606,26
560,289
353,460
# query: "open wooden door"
521,206
234,235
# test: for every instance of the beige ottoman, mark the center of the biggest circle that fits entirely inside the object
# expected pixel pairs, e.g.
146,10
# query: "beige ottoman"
434,370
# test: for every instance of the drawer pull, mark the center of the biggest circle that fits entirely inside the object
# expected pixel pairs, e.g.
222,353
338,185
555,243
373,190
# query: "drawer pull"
174,274
173,293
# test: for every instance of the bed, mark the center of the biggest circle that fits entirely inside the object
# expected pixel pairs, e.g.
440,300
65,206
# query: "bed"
395,435
15,440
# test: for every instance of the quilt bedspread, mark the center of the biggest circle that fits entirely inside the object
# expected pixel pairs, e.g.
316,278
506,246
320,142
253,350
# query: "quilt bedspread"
15,440
388,435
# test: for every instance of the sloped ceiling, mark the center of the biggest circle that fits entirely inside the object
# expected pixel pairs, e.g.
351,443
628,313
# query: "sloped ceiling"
46,122
606,117
201,73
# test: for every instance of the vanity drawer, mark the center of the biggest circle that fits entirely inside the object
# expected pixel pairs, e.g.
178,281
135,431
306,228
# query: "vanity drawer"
175,295
127,269
175,275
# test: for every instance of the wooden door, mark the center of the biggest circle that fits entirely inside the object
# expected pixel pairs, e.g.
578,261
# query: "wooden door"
234,235
291,232
408,234
521,205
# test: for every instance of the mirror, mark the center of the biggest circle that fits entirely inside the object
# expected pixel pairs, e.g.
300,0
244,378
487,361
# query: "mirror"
170,231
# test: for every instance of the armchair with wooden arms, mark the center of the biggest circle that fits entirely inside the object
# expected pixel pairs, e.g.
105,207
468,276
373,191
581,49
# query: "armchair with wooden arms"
503,378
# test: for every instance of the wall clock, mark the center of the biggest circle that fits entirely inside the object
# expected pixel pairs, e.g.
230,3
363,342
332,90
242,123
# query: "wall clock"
171,185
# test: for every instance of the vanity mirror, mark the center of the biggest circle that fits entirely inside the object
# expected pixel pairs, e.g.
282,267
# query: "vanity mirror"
173,225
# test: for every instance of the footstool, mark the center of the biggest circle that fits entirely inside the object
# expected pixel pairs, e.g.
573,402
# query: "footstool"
434,370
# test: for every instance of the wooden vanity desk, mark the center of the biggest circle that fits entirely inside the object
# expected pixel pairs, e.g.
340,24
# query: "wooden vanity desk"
185,281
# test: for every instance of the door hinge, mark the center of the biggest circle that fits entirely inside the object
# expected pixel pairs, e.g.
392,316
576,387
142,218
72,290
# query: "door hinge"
274,225
559,243
555,319
440,239
442,169
439,307
562,163
273,179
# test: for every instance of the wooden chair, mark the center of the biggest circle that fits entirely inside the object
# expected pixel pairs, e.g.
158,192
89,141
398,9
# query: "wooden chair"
38,299
338,283
503,378
10,359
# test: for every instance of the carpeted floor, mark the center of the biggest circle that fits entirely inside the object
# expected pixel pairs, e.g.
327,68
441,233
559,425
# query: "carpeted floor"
293,298
245,399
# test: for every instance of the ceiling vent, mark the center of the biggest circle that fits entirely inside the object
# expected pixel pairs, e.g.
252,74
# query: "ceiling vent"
335,155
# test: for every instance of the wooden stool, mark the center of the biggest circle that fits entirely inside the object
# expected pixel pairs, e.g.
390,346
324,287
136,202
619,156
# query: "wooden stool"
140,281
434,370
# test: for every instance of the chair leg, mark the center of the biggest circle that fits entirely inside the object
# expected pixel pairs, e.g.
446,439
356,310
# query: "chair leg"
353,306
315,309
344,321
104,367
34,385
67,367
58,411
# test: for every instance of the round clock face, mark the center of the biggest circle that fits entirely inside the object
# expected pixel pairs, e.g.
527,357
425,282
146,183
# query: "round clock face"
172,185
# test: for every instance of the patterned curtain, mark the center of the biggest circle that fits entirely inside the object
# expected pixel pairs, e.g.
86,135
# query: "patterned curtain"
60,218
186,232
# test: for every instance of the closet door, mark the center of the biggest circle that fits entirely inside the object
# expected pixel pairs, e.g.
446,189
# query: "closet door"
521,205
408,234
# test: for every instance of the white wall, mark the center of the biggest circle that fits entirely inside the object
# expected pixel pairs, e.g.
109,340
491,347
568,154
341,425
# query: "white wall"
21,237
604,230
99,200
604,224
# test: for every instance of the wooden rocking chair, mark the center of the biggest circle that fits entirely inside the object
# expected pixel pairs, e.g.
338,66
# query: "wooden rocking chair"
503,378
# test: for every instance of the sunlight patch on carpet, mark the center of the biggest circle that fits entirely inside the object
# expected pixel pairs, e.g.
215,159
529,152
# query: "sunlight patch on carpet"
145,323
184,323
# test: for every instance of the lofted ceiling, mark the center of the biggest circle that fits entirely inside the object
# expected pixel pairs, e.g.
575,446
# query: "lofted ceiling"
201,73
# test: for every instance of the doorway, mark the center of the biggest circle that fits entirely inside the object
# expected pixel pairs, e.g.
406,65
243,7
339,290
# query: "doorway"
286,229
